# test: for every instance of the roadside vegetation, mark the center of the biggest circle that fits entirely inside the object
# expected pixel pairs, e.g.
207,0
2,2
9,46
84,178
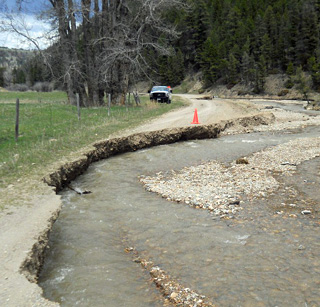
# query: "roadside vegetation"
50,129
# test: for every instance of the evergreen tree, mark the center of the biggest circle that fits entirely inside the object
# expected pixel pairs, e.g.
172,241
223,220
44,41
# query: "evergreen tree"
261,73
314,68
209,62
2,71
290,69
171,69
245,68
18,76
232,70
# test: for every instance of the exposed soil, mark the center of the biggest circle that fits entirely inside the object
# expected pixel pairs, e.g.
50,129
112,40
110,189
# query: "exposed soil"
24,230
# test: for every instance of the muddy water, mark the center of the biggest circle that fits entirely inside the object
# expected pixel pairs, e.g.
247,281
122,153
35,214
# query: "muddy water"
261,258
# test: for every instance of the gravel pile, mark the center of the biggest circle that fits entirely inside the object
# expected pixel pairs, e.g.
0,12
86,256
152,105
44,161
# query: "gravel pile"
221,188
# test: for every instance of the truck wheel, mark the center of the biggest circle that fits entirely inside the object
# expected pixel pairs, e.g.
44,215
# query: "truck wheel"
168,101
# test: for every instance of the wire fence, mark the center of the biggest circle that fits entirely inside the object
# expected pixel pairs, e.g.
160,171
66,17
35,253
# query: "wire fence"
32,132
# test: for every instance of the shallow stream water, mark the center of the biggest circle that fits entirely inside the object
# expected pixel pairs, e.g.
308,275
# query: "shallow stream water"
260,258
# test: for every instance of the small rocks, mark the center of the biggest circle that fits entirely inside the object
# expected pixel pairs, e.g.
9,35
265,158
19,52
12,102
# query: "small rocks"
174,292
306,212
288,163
235,203
173,295
242,161
137,260
129,249
292,205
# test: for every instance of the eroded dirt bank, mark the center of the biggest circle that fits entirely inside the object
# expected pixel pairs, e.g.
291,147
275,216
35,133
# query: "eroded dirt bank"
105,149
20,290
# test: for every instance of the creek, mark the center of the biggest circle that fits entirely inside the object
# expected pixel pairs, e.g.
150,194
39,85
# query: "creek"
257,259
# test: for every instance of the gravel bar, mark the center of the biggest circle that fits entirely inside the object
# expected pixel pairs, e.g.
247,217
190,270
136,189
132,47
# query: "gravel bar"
221,188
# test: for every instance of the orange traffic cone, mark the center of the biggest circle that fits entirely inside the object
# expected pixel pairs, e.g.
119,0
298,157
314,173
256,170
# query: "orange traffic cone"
195,117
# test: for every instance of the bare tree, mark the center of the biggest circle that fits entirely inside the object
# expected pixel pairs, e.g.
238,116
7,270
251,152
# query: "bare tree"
134,28
103,43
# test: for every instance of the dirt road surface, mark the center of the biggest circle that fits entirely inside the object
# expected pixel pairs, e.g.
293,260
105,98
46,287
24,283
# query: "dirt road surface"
210,111
23,228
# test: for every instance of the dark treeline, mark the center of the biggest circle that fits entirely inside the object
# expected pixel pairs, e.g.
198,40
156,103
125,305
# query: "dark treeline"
243,41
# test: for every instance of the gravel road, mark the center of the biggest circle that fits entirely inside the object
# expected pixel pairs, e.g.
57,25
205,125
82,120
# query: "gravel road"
210,111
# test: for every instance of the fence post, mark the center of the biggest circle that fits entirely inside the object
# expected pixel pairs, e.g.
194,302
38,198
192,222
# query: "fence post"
78,106
109,104
126,101
17,119
136,98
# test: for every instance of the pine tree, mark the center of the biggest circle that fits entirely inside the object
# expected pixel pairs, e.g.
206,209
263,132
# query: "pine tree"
2,71
261,73
245,68
314,68
232,68
272,35
209,62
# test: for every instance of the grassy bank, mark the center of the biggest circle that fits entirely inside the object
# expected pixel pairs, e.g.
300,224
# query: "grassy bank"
50,129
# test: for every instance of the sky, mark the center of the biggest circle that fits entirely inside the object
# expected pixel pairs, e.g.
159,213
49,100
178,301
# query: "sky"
27,21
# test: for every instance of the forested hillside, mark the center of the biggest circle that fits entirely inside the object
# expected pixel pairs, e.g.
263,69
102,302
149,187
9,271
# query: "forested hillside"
244,41
18,66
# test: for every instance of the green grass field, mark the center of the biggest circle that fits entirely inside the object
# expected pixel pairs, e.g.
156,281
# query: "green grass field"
50,129
33,97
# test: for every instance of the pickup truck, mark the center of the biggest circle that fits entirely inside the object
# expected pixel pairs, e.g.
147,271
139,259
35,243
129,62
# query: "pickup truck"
161,94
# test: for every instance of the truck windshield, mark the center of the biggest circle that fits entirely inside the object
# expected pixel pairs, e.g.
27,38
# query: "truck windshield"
160,88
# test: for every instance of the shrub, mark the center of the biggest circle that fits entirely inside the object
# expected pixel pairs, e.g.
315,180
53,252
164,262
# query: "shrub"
289,84
283,92
230,86
242,93
43,87
18,88
274,71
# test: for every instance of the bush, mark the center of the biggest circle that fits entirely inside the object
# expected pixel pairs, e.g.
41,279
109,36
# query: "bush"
242,93
201,90
18,88
283,92
43,87
230,85
274,71
289,84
